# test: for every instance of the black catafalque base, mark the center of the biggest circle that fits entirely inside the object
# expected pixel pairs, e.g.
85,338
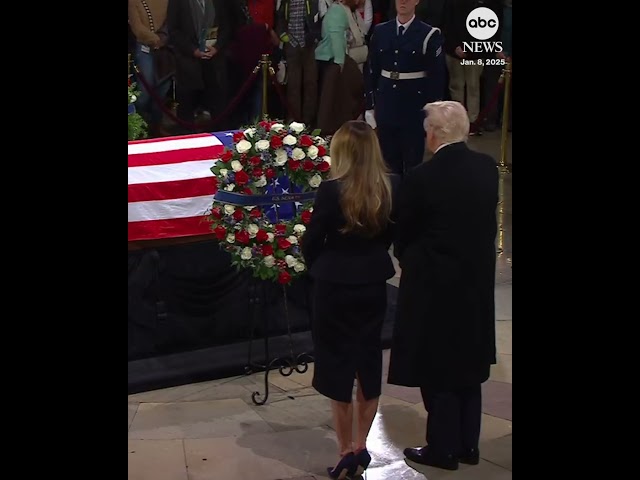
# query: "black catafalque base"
193,317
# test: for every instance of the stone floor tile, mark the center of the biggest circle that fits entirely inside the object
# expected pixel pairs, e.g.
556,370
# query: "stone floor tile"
502,371
274,456
156,460
498,451
497,399
210,419
503,293
133,408
504,338
305,411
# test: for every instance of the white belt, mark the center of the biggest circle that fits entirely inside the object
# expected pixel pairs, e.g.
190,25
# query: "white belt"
403,76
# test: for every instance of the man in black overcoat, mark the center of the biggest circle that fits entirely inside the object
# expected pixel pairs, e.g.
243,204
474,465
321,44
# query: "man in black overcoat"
444,334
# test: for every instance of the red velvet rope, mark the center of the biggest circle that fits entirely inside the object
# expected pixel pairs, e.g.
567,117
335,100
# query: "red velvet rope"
209,126
490,105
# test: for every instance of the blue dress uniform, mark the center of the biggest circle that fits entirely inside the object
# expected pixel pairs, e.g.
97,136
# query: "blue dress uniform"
405,71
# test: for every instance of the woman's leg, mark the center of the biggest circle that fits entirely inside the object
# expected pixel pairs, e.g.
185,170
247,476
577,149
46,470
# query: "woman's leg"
367,410
343,422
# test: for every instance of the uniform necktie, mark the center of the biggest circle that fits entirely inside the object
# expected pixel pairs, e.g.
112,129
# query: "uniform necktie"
401,30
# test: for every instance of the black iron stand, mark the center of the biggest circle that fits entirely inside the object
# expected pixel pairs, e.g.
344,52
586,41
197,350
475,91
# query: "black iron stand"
286,365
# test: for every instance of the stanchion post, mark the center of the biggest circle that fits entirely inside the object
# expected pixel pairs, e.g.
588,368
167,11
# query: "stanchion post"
266,63
505,116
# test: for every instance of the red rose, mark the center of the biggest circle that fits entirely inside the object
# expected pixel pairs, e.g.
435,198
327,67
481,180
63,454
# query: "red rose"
265,125
220,232
305,141
269,173
262,236
306,217
267,250
242,178
216,212
238,215
294,165
242,237
238,136
307,166
276,142
255,161
321,151
284,278
283,243
281,264
226,156
257,172
323,166
255,213
281,229
247,191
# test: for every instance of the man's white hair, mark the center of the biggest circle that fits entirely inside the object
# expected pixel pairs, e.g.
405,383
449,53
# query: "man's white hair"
448,121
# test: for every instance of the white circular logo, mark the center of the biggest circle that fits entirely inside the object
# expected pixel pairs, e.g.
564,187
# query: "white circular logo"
482,23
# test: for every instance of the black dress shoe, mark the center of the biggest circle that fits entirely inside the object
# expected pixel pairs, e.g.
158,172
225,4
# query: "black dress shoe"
424,456
470,457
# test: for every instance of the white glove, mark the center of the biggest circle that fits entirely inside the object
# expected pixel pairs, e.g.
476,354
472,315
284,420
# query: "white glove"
370,118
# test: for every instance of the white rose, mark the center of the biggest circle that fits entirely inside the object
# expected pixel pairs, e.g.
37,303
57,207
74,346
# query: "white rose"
312,151
315,181
281,157
299,267
277,127
327,159
320,141
261,182
298,154
246,254
229,209
236,166
291,260
269,261
270,236
299,229
224,172
290,140
253,230
293,240
249,208
297,127
230,187
231,238
243,146
133,98
263,145
249,132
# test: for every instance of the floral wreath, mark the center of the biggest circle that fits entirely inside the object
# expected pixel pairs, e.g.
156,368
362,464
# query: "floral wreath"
137,125
265,186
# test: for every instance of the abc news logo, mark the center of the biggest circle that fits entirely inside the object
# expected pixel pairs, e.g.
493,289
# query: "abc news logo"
482,24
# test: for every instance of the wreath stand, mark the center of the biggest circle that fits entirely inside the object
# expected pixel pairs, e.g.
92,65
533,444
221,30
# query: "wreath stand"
286,365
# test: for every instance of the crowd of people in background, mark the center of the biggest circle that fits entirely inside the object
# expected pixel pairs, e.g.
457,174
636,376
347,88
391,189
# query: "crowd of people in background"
206,49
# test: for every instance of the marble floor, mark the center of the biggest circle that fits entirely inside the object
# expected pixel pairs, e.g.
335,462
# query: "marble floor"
213,431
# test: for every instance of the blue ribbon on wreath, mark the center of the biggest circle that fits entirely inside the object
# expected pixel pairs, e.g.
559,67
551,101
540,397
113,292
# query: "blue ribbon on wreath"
132,109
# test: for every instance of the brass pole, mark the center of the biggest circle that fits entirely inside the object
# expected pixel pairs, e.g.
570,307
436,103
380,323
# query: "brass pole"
505,116
266,63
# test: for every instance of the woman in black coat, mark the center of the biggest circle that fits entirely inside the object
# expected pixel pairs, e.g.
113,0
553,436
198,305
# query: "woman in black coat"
346,249
444,334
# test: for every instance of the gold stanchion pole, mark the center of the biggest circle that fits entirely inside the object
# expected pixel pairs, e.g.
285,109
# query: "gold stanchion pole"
506,75
266,64
130,62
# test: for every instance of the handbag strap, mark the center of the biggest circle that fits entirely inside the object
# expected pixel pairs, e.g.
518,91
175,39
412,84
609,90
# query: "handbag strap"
354,27
149,16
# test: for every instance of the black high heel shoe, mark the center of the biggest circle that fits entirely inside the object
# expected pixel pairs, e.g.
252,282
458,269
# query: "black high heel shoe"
363,460
345,469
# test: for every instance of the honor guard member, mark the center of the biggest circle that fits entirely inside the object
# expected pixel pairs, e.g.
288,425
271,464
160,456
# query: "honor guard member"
405,70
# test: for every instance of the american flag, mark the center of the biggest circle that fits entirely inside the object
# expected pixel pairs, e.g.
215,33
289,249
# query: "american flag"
171,186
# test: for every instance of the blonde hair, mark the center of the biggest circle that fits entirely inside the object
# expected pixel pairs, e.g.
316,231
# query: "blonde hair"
365,197
448,121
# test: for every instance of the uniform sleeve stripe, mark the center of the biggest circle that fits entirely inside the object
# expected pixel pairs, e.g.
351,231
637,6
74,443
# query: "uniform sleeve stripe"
426,40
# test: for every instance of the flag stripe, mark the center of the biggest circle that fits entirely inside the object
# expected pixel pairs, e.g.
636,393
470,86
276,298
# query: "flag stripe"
167,209
171,173
196,187
174,143
159,229
176,156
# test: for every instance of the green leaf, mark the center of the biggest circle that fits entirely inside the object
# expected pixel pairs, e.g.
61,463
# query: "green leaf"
316,132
